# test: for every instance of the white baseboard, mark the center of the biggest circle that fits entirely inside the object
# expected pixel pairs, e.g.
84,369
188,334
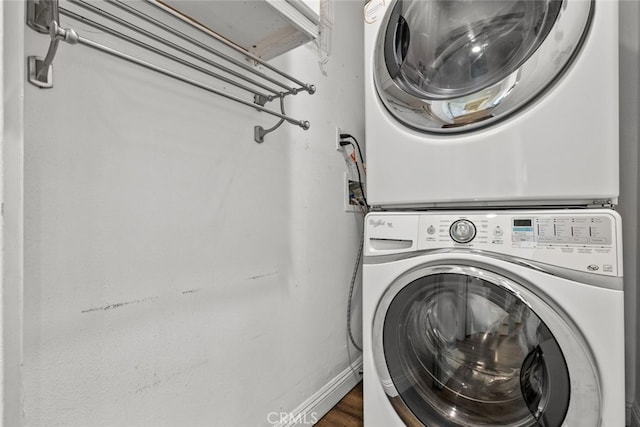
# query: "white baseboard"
315,407
635,414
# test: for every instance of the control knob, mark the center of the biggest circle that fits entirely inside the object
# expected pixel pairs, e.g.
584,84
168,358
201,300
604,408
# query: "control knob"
462,231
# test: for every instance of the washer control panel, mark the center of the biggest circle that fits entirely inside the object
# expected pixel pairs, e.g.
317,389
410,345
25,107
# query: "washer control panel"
583,240
587,240
521,231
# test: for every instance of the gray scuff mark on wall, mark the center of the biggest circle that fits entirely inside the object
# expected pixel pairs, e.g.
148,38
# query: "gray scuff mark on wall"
137,301
261,276
118,305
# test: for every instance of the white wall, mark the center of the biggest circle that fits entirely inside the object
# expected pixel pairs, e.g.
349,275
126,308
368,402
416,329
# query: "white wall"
629,112
177,273
11,125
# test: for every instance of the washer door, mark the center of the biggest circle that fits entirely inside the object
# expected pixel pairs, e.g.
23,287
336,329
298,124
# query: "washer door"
459,345
455,65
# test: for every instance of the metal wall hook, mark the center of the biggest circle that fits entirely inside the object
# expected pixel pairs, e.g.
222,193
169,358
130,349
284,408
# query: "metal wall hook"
259,132
41,70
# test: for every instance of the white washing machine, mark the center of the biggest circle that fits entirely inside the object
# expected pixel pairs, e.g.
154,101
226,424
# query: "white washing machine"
491,102
493,318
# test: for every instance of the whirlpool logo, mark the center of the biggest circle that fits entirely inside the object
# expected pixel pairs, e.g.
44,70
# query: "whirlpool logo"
375,223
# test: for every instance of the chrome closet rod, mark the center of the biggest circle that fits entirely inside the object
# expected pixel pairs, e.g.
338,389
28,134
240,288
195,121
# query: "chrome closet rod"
161,52
167,9
198,43
116,53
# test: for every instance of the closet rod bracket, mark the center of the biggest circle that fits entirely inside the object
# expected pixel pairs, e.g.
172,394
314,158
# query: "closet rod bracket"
261,100
41,69
259,132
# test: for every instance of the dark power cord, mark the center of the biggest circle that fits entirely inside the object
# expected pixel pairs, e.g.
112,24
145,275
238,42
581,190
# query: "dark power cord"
349,136
343,137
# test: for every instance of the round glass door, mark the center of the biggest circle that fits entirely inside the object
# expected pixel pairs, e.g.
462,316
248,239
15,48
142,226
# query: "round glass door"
454,65
457,346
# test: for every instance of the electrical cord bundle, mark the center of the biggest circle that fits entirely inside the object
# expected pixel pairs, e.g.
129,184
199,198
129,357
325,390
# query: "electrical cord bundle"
344,137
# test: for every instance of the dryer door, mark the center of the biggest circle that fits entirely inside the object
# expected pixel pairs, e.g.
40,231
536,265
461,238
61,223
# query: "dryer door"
458,345
455,65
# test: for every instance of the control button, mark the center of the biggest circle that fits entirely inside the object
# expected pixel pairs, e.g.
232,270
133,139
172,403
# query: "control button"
608,268
462,231
431,229
593,267
598,240
498,231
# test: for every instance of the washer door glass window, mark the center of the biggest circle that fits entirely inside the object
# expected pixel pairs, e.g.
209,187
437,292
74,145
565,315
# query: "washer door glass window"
453,65
461,350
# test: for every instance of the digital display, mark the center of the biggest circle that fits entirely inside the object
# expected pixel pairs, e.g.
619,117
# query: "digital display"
522,223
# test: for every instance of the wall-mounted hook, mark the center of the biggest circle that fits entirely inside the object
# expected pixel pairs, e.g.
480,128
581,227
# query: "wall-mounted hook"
44,15
259,132
41,70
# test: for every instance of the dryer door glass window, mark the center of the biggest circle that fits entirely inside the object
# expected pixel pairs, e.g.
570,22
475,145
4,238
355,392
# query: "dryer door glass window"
449,65
461,350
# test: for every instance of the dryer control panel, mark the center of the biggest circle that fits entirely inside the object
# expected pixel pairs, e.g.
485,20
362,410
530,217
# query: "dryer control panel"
587,240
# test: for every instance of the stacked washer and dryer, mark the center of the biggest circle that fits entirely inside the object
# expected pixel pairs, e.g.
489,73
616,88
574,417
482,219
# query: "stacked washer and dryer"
492,280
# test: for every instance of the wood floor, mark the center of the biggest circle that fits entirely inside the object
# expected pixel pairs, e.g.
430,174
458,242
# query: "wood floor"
347,413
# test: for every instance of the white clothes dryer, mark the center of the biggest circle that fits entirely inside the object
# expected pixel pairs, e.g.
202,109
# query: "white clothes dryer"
491,102
493,318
